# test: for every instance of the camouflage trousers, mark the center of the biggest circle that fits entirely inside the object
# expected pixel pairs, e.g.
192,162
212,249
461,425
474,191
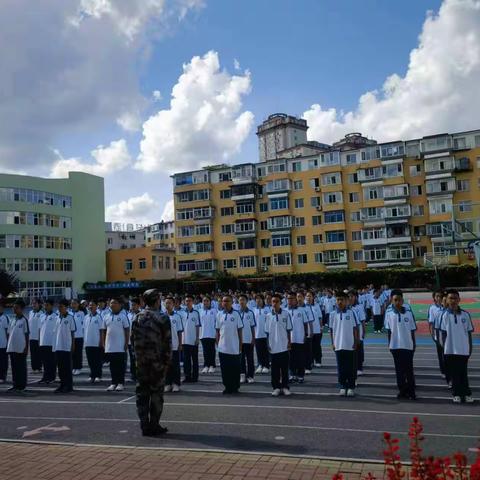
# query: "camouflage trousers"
149,393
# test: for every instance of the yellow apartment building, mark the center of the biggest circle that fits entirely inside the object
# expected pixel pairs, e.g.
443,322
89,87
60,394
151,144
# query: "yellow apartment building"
307,206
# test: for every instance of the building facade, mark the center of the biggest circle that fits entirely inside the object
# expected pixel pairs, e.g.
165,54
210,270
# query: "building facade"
152,262
308,206
162,233
52,232
121,239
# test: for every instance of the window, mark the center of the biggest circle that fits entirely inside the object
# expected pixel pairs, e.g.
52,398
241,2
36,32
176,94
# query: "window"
315,201
128,265
459,143
282,259
265,243
224,194
415,170
264,207
298,185
416,190
301,240
317,220
315,182
243,208
228,229
246,243
299,221
266,262
229,263
296,166
318,257
278,203
465,206
332,179
336,216
358,255
312,163
281,240
356,236
353,197
420,251
226,211
438,207
142,263
228,246
302,259
418,210
355,216
299,203
224,176
332,197
248,262
335,236
463,185
394,170
351,158
353,178
372,193
167,263
263,225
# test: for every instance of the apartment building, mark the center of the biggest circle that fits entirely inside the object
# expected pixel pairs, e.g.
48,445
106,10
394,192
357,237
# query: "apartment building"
161,233
308,206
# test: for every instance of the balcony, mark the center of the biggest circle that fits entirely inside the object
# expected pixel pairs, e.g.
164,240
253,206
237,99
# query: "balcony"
278,186
370,175
280,223
440,187
463,165
436,144
245,229
335,258
395,192
243,192
377,236
243,174
392,150
439,166
397,213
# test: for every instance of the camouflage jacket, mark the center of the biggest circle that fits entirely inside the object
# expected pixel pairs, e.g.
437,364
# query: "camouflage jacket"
151,337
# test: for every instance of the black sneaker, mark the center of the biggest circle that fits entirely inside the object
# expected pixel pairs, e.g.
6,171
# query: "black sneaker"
11,389
58,390
158,430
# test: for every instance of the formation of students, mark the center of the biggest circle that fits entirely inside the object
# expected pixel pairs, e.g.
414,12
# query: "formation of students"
284,330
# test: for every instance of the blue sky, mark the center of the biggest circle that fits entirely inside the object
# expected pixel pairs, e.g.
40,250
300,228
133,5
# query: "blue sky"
90,62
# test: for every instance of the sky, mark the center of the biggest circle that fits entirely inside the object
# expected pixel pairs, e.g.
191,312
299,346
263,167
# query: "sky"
135,90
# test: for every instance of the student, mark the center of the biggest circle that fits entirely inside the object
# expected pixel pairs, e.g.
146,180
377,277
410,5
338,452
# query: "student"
4,322
400,325
47,334
34,321
17,346
261,345
300,332
172,380
344,335
361,318
308,338
435,310
93,342
248,337
78,317
115,333
376,304
229,328
456,328
134,309
191,336
278,327
314,314
328,306
208,317
64,347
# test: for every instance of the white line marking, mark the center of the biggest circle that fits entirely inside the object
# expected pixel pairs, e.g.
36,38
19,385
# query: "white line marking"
127,399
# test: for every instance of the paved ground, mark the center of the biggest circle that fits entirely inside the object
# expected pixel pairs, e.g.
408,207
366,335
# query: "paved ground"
314,422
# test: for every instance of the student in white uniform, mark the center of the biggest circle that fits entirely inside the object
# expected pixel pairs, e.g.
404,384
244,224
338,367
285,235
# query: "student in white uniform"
3,343
361,317
115,334
34,321
172,381
248,337
456,328
344,335
300,331
377,306
47,333
78,317
314,314
329,303
435,310
64,347
208,318
191,338
93,342
308,338
261,343
400,325
278,327
229,328
17,346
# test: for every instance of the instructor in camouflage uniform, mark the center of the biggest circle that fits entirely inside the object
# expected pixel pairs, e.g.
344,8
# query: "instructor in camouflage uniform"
151,339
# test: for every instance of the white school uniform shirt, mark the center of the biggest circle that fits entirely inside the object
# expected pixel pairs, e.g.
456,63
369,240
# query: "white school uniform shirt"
115,325
17,330
361,317
214,304
62,336
47,329
208,319
457,327
34,322
228,324
248,320
329,304
314,313
342,324
376,305
434,311
299,320
400,325
79,318
260,318
190,323
277,326
92,326
176,327
4,322
252,304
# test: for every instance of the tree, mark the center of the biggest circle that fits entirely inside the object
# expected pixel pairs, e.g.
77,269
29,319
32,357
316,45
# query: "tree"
8,283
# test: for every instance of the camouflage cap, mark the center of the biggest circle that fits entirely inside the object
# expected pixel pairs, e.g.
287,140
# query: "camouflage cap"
151,296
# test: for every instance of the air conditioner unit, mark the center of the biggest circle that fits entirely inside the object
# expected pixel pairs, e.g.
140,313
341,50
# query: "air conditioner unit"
319,208
317,189
126,272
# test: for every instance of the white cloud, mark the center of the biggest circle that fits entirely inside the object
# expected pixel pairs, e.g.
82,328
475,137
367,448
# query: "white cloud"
204,123
142,209
130,121
61,78
236,64
157,95
439,92
108,160
168,212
